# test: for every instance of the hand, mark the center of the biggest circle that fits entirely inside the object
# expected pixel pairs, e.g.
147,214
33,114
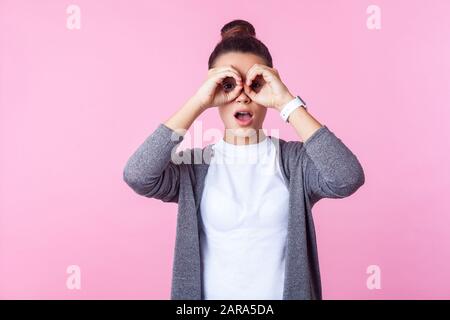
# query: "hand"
264,86
223,85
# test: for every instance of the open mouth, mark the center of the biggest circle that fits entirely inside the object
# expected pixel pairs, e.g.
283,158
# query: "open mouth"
244,118
243,115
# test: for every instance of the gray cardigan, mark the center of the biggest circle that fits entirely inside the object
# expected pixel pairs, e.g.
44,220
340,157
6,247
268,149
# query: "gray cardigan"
320,167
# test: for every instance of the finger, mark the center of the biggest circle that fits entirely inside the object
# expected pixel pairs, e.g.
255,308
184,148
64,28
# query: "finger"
250,75
248,91
228,68
264,71
238,75
236,92
254,71
219,76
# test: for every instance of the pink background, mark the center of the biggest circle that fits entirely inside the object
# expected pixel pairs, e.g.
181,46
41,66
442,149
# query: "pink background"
75,104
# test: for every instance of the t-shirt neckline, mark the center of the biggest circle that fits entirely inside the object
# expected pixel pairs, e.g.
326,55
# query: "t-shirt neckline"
242,150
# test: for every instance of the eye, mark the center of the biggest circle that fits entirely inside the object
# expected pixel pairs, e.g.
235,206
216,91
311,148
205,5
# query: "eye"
255,85
228,84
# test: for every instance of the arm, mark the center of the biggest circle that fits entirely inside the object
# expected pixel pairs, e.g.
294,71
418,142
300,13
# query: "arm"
150,171
331,170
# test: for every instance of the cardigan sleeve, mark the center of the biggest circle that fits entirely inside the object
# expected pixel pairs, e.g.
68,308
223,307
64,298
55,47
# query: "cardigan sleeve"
150,171
331,170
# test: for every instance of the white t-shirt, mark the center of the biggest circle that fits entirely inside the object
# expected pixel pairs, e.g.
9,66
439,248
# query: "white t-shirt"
244,217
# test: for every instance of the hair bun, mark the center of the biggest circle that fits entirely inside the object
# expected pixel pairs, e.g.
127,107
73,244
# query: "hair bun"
239,28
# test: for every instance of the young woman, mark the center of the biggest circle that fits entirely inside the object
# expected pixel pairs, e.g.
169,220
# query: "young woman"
244,228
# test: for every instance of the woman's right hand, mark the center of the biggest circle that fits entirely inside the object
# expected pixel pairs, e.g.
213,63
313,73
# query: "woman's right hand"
223,85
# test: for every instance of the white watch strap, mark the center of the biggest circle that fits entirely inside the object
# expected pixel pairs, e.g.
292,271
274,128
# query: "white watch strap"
290,107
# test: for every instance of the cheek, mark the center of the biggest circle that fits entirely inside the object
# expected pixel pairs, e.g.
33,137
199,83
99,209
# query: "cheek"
225,111
261,113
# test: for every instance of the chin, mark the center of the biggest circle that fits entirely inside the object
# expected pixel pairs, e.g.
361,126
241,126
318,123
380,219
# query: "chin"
243,132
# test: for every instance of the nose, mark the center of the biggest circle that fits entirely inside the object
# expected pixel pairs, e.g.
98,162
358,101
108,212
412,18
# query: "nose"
243,97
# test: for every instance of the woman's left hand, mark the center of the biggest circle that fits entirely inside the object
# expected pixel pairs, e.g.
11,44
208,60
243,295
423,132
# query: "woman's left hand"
264,86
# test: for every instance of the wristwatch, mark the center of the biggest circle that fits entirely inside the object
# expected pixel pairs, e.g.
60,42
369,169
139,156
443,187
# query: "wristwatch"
289,107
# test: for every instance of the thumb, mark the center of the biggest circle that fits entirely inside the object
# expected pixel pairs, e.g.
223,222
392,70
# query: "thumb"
236,92
249,91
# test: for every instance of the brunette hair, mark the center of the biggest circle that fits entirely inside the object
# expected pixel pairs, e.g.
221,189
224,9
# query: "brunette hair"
239,35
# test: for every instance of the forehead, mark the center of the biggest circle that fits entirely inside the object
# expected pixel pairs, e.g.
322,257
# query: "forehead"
239,60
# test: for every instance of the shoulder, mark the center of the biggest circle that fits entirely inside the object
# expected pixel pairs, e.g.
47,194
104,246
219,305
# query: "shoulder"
296,149
289,155
194,155
289,149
